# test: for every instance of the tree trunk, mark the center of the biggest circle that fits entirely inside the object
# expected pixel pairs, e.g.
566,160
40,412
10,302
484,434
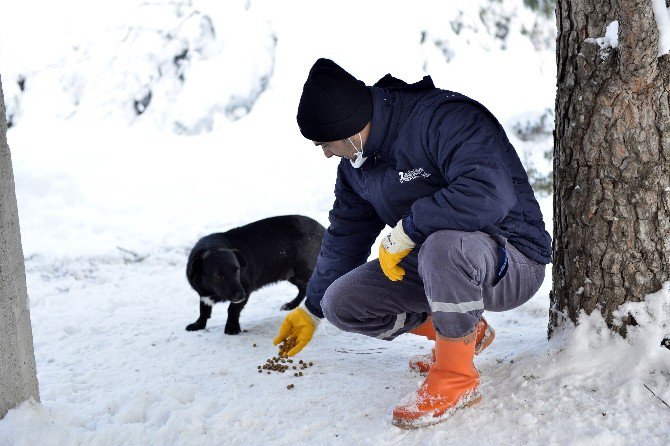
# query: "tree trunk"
18,379
611,160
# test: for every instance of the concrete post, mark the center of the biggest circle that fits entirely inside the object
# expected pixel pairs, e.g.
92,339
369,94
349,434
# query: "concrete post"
18,377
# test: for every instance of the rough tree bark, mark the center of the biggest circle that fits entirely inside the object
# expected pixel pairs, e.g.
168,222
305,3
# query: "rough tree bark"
18,379
611,160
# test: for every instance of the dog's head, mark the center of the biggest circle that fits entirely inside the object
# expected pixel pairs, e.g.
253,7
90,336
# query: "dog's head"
217,273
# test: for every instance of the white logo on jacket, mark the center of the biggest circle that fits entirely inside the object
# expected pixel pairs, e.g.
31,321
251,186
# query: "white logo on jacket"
413,174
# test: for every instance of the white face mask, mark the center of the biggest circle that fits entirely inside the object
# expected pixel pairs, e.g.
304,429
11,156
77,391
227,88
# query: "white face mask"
360,159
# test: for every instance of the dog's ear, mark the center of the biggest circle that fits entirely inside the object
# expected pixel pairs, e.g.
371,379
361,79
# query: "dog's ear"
194,268
240,258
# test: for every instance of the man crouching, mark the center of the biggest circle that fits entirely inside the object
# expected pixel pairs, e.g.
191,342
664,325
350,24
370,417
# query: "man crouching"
468,234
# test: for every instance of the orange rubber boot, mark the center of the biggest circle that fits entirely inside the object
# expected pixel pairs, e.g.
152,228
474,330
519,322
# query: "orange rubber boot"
451,384
422,363
425,329
485,336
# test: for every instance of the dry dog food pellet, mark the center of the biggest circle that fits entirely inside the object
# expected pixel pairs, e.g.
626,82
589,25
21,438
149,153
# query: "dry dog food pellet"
286,346
280,363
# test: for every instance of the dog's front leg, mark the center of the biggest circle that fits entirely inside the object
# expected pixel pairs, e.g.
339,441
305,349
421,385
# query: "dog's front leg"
233,322
205,313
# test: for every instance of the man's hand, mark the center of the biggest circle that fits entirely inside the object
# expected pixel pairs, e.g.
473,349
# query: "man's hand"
300,325
393,248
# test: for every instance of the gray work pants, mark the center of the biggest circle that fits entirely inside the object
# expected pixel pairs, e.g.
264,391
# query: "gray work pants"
454,276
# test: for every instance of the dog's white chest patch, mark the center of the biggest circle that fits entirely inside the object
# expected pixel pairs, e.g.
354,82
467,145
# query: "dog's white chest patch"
207,301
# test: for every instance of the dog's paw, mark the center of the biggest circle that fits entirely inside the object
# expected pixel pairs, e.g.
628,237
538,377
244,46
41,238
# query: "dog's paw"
195,326
288,306
232,329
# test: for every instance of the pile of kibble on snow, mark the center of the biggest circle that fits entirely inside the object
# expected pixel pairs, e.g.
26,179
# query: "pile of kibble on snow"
282,364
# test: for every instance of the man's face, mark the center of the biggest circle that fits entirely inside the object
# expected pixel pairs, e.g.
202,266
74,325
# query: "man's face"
341,148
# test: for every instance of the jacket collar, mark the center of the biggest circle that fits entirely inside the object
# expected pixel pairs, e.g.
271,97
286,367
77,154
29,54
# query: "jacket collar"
393,100
381,112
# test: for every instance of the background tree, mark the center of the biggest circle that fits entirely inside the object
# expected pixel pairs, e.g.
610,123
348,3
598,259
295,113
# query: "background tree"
18,379
611,159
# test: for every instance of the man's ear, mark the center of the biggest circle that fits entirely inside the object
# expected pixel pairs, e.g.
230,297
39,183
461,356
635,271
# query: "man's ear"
240,258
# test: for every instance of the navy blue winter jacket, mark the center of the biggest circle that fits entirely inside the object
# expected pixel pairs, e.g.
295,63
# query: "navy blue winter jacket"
438,160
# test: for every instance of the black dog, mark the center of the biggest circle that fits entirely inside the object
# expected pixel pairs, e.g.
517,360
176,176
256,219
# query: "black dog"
231,265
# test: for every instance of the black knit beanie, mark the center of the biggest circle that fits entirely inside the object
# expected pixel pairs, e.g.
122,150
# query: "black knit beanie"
334,105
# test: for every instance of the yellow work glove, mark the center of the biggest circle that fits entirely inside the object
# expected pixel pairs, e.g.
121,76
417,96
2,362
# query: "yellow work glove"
300,325
393,248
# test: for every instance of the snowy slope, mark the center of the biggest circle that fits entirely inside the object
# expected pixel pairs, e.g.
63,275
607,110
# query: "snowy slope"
117,367
217,146
98,175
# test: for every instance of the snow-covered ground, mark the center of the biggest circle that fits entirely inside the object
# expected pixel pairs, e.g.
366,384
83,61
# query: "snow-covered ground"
103,167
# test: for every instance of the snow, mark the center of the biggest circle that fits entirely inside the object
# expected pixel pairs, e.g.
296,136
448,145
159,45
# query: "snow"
610,41
662,16
612,34
97,182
